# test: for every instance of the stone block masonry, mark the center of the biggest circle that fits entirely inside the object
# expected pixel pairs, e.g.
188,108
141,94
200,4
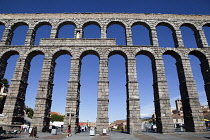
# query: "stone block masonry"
104,47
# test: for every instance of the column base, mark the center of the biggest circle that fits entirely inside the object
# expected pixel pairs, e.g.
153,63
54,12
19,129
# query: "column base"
101,125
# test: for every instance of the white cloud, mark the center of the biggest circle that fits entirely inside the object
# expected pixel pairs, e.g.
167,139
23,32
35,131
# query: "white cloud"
202,97
147,110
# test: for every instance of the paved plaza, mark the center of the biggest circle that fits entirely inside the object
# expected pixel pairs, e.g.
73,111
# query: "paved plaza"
118,136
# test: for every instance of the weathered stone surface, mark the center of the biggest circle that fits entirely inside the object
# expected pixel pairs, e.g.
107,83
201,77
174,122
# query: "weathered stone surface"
104,47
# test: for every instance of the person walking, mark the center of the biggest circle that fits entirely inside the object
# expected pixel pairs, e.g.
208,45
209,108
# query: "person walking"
69,131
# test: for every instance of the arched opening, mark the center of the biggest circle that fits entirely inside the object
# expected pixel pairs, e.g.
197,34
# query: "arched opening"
33,81
200,69
188,36
140,34
66,30
117,30
91,30
19,34
2,28
206,29
43,30
146,93
117,88
197,75
173,90
188,94
172,79
34,66
165,36
7,71
89,89
60,81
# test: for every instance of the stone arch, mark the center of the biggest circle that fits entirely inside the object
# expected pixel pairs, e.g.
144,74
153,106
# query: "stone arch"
91,23
60,52
3,60
169,25
2,23
5,55
159,96
9,52
175,54
191,26
32,54
205,70
17,24
13,28
96,23
88,51
185,77
171,28
119,51
148,52
21,77
196,33
139,24
199,54
120,32
37,26
78,51
206,24
63,24
41,23
116,22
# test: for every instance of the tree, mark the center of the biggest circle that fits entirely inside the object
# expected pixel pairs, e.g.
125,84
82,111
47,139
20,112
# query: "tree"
148,119
56,117
30,112
119,127
5,82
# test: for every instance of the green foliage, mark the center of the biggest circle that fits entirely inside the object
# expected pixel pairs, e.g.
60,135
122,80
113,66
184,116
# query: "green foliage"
148,119
55,117
5,82
30,112
119,127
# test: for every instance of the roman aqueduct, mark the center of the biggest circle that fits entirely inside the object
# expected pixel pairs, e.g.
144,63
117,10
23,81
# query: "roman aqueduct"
104,47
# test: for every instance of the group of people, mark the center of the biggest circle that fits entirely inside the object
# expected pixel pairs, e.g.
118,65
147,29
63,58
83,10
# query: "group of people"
82,128
25,127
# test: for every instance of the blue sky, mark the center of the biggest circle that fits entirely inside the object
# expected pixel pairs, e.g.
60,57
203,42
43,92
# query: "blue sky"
89,69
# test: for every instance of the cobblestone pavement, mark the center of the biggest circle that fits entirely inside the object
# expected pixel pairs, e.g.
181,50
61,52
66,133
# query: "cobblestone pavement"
117,136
